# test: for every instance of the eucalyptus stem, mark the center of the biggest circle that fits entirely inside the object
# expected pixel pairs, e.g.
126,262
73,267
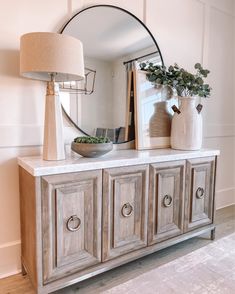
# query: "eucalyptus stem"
182,81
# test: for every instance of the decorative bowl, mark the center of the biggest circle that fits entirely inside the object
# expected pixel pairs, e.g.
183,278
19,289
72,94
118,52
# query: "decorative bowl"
92,150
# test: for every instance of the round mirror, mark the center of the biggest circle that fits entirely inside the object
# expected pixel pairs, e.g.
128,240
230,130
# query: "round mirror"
114,42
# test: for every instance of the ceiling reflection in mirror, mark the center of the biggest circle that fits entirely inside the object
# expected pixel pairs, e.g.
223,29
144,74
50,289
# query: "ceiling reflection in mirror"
114,43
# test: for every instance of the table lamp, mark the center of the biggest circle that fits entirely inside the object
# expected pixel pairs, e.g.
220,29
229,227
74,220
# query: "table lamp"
53,58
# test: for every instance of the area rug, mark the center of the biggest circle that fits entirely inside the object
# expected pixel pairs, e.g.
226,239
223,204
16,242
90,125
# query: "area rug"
210,269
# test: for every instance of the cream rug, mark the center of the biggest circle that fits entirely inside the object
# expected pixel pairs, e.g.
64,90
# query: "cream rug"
210,269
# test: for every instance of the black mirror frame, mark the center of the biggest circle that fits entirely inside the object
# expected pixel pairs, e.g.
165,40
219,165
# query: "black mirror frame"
135,17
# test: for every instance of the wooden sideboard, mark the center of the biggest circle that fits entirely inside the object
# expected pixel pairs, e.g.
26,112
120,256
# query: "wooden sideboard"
81,217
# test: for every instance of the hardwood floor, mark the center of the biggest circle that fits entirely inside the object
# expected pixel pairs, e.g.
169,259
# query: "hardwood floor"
225,220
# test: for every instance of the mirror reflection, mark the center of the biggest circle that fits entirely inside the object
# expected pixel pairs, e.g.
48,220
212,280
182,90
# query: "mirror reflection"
115,42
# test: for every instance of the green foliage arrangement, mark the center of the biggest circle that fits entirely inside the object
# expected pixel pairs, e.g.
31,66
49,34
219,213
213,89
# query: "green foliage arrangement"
182,81
92,140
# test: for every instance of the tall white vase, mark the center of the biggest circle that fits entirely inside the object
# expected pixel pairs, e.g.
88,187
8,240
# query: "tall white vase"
186,128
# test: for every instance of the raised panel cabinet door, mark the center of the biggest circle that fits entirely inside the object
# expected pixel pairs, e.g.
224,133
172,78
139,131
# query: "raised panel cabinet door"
166,201
124,210
199,205
71,222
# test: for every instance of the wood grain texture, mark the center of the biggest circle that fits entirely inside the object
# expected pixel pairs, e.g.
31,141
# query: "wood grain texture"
16,284
200,174
123,234
65,196
30,215
119,219
225,223
166,181
122,259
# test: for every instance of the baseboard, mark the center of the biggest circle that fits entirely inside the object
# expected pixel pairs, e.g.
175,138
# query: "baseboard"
226,206
10,259
9,244
10,274
225,197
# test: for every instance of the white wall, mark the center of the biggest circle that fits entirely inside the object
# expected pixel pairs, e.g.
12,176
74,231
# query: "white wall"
187,31
190,31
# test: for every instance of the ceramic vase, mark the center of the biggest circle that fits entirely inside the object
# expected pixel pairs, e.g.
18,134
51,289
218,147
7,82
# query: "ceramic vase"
160,122
186,128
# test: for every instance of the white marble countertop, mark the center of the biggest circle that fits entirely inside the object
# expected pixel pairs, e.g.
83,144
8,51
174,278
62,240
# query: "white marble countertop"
36,166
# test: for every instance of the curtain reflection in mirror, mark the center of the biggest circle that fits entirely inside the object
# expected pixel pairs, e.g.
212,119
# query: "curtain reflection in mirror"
110,37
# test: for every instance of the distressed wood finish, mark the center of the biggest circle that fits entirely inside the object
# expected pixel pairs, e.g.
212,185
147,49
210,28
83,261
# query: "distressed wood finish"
30,216
225,219
199,202
67,197
113,263
124,210
166,201
70,233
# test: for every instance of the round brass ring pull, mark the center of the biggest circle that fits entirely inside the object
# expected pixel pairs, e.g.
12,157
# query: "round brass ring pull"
70,221
167,201
200,193
127,209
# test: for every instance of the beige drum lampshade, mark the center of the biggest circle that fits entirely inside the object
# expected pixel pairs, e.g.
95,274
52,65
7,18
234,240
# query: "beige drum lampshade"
42,54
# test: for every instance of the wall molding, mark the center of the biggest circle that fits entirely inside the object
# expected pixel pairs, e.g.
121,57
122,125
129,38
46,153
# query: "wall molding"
21,135
17,136
226,199
211,4
9,244
226,12
29,135
225,190
10,257
207,12
231,204
219,130
8,274
204,33
145,12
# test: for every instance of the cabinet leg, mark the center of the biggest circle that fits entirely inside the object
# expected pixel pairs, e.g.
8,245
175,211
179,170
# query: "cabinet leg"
213,234
23,270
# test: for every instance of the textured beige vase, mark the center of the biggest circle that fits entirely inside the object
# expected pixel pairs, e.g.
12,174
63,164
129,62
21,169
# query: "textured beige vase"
160,122
186,128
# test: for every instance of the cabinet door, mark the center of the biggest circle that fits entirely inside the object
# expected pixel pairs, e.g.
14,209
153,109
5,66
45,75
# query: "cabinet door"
71,222
199,192
124,210
166,201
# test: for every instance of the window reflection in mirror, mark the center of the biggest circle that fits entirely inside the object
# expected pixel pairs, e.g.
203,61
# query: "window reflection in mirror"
114,42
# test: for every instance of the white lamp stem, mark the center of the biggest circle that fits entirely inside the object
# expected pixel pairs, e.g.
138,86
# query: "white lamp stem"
53,146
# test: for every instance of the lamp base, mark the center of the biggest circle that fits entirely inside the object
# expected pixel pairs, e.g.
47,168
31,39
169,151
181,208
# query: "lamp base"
53,145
